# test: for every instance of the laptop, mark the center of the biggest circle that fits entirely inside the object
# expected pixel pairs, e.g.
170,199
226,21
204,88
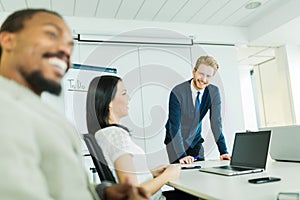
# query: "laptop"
285,143
249,154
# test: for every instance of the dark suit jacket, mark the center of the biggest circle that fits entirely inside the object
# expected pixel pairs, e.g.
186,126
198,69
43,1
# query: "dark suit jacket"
181,130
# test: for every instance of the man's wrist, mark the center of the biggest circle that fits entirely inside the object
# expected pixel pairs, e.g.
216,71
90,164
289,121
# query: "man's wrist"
101,188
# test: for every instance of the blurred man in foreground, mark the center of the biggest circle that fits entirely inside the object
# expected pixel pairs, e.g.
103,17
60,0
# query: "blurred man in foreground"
40,152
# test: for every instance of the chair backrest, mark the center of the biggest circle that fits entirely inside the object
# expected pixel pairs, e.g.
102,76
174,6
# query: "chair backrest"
98,158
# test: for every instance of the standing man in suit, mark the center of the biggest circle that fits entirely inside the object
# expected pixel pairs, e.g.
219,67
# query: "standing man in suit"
188,104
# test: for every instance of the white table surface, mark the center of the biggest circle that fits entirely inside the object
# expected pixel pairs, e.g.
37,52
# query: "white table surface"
212,186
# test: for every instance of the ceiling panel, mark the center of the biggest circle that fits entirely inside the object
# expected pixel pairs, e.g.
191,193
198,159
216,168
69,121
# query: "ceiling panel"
38,4
169,10
149,9
211,12
59,7
12,5
129,9
84,9
237,16
254,55
226,11
207,12
268,52
108,8
255,60
267,6
242,14
191,8
245,51
210,9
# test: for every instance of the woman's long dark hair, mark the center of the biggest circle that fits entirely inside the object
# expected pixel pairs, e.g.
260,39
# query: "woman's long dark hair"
102,91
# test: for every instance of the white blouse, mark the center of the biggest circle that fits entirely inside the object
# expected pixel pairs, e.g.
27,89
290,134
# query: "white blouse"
115,142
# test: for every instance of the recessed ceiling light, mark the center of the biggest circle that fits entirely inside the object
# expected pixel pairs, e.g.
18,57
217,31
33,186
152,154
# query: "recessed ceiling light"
253,5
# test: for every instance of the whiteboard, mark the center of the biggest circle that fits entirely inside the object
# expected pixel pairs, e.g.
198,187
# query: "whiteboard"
75,86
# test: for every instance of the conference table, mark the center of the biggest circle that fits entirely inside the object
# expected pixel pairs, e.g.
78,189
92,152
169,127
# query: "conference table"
212,186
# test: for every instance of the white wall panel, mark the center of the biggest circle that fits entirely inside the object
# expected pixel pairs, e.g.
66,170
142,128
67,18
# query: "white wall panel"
274,104
162,67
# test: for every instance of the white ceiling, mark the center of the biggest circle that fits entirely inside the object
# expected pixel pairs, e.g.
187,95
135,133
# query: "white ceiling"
210,12
268,25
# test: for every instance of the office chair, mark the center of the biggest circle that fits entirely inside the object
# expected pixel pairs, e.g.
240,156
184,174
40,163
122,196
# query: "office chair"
99,161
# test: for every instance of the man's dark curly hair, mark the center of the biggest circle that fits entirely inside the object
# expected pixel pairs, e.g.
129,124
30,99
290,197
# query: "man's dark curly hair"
15,21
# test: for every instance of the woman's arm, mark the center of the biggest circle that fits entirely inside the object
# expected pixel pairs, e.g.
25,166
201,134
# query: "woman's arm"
126,170
157,171
172,172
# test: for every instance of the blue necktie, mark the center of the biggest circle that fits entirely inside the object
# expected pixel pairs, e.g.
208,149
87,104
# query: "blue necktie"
193,137
197,103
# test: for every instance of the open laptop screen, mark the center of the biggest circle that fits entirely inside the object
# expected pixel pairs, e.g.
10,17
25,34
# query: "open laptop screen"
251,149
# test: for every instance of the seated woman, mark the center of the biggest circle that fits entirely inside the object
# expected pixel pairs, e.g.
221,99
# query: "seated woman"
107,103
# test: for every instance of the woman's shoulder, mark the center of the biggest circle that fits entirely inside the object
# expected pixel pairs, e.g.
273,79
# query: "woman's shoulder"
111,131
113,136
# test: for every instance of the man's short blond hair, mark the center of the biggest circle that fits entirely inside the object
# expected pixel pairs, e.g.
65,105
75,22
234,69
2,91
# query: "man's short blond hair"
207,60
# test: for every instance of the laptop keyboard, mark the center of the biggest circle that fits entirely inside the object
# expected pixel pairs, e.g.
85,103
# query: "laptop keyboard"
233,168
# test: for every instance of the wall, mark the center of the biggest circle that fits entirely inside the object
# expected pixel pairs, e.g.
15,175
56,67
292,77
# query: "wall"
250,116
293,63
274,97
